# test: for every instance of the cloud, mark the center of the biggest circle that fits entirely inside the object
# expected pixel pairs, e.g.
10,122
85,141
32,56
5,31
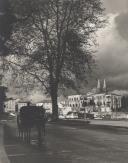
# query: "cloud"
119,82
115,6
112,56
122,25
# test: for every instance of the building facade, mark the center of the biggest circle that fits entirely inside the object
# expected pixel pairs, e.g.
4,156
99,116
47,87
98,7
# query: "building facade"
10,105
76,102
104,101
99,100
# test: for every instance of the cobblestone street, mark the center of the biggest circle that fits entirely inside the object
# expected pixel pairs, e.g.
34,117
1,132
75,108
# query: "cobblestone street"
72,144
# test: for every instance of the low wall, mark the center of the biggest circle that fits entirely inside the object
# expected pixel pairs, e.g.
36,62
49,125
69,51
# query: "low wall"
119,115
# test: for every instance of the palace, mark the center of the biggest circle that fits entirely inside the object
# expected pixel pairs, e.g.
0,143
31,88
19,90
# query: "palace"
98,100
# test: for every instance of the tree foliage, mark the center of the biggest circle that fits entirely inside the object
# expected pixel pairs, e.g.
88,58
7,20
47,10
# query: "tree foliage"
6,21
52,40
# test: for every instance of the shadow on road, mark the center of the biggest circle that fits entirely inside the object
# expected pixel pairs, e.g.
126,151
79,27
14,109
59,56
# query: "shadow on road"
87,125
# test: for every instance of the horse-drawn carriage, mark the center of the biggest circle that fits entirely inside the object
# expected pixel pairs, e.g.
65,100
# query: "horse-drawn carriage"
31,117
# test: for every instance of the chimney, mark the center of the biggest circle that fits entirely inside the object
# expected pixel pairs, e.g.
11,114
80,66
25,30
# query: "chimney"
98,86
104,86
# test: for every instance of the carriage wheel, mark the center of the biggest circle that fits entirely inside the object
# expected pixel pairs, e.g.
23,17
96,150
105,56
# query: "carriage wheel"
19,127
41,134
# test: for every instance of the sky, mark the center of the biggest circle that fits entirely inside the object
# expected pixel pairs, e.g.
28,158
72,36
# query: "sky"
112,54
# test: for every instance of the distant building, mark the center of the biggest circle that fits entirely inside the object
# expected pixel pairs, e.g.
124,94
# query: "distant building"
104,101
10,105
107,102
20,104
76,102
98,100
47,104
125,103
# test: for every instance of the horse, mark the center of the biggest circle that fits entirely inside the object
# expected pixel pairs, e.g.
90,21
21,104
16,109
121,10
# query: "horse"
29,117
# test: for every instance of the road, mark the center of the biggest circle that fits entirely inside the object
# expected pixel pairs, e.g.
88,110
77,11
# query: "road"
64,144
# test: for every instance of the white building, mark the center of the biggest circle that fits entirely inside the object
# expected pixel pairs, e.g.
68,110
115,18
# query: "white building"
97,100
76,102
47,104
10,105
105,102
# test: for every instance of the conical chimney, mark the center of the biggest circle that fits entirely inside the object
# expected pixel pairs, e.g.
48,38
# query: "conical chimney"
104,86
98,84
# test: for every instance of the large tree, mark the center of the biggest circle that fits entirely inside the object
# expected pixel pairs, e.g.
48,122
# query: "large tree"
52,40
6,22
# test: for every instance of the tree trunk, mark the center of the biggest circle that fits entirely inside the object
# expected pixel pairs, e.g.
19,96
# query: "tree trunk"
54,95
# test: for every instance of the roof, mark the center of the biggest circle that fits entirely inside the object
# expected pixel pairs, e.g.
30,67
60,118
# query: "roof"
45,101
23,101
76,95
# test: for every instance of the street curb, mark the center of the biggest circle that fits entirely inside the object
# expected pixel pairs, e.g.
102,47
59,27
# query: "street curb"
71,123
3,155
87,124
